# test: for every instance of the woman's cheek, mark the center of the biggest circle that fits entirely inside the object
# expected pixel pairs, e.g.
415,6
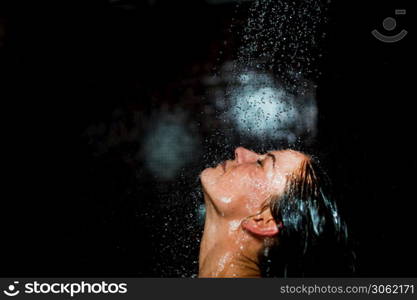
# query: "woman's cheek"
234,207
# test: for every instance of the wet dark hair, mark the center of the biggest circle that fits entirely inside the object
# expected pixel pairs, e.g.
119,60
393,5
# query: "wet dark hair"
314,238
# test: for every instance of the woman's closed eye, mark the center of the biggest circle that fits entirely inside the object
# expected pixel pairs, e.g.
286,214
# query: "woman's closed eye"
260,163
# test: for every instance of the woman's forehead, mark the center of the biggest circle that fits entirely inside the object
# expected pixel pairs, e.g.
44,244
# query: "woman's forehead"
289,156
287,161
286,164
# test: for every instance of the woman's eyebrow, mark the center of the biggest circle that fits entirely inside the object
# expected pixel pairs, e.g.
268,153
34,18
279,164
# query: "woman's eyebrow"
273,158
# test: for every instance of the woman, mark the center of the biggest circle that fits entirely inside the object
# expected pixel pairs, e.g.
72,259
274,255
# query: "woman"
263,205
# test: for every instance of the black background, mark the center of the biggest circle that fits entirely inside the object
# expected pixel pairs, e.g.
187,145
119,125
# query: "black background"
65,65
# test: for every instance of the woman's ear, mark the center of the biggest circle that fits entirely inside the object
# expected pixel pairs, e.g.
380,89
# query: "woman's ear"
262,224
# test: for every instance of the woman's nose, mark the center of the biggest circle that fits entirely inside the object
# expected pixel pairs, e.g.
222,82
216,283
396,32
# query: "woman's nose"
243,155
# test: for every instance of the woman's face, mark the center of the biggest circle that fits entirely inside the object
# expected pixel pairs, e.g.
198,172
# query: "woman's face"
238,188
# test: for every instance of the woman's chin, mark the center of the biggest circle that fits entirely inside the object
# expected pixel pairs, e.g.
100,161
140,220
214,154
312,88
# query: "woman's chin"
205,175
209,176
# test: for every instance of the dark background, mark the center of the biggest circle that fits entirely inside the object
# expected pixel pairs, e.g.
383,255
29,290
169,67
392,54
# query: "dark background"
68,211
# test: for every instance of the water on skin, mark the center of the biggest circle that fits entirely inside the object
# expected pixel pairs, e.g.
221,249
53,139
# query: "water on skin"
226,199
233,226
222,263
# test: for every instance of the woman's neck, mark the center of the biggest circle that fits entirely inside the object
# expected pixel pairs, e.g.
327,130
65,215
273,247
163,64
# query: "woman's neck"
226,249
